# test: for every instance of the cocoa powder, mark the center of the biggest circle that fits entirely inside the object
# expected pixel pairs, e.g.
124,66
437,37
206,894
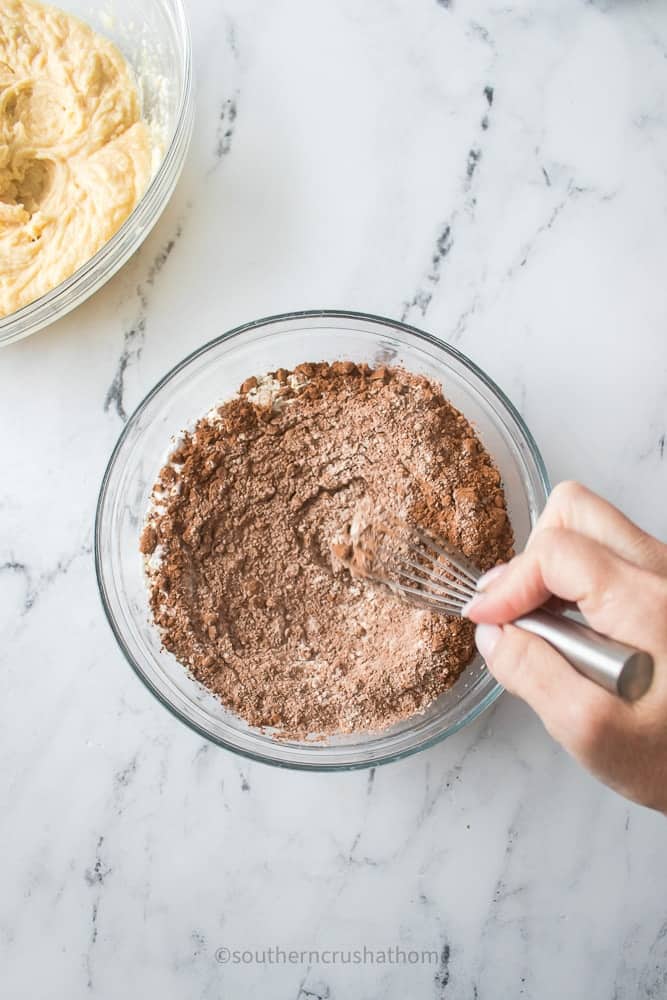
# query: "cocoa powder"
248,583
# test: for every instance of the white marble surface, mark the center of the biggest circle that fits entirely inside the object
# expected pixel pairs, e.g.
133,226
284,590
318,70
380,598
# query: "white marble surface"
496,173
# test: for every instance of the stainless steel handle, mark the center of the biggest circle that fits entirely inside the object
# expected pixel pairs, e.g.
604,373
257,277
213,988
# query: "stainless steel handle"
619,668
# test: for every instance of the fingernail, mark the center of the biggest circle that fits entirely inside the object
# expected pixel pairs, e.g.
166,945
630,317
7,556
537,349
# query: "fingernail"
491,575
482,585
472,603
486,639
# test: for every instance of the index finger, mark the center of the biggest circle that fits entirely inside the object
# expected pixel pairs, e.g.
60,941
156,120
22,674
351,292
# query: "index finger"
577,508
619,599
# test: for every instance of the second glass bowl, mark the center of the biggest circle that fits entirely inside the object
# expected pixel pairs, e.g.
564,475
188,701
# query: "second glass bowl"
154,37
213,374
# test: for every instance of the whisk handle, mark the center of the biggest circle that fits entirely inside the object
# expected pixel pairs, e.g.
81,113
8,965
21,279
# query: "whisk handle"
620,669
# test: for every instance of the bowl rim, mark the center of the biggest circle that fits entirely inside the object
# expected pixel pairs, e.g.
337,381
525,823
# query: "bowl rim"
98,269
333,314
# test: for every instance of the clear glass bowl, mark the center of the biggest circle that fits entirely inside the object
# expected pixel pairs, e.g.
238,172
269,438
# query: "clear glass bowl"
154,36
212,374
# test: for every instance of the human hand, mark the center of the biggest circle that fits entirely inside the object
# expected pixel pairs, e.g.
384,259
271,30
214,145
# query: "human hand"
585,551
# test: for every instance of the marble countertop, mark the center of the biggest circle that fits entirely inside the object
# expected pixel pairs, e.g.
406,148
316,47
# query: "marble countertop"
495,173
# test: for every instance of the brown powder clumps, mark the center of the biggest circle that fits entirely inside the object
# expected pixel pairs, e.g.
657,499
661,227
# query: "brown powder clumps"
247,574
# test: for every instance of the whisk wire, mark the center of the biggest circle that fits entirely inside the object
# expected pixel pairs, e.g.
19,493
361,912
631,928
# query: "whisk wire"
426,573
432,600
450,575
431,545
443,584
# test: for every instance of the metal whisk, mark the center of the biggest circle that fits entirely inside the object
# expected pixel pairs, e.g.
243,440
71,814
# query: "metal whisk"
431,573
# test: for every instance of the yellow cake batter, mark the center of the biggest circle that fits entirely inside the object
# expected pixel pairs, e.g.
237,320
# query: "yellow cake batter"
75,156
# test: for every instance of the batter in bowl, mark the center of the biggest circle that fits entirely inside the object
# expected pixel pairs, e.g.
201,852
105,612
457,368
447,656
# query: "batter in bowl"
75,156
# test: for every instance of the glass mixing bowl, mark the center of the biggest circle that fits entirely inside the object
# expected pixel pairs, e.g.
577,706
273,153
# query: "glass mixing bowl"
154,37
213,374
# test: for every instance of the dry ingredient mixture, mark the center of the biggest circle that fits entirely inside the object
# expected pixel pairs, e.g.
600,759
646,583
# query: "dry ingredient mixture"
247,571
75,156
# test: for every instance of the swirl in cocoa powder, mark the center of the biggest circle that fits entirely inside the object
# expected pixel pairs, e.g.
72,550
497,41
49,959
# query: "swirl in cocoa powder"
246,585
